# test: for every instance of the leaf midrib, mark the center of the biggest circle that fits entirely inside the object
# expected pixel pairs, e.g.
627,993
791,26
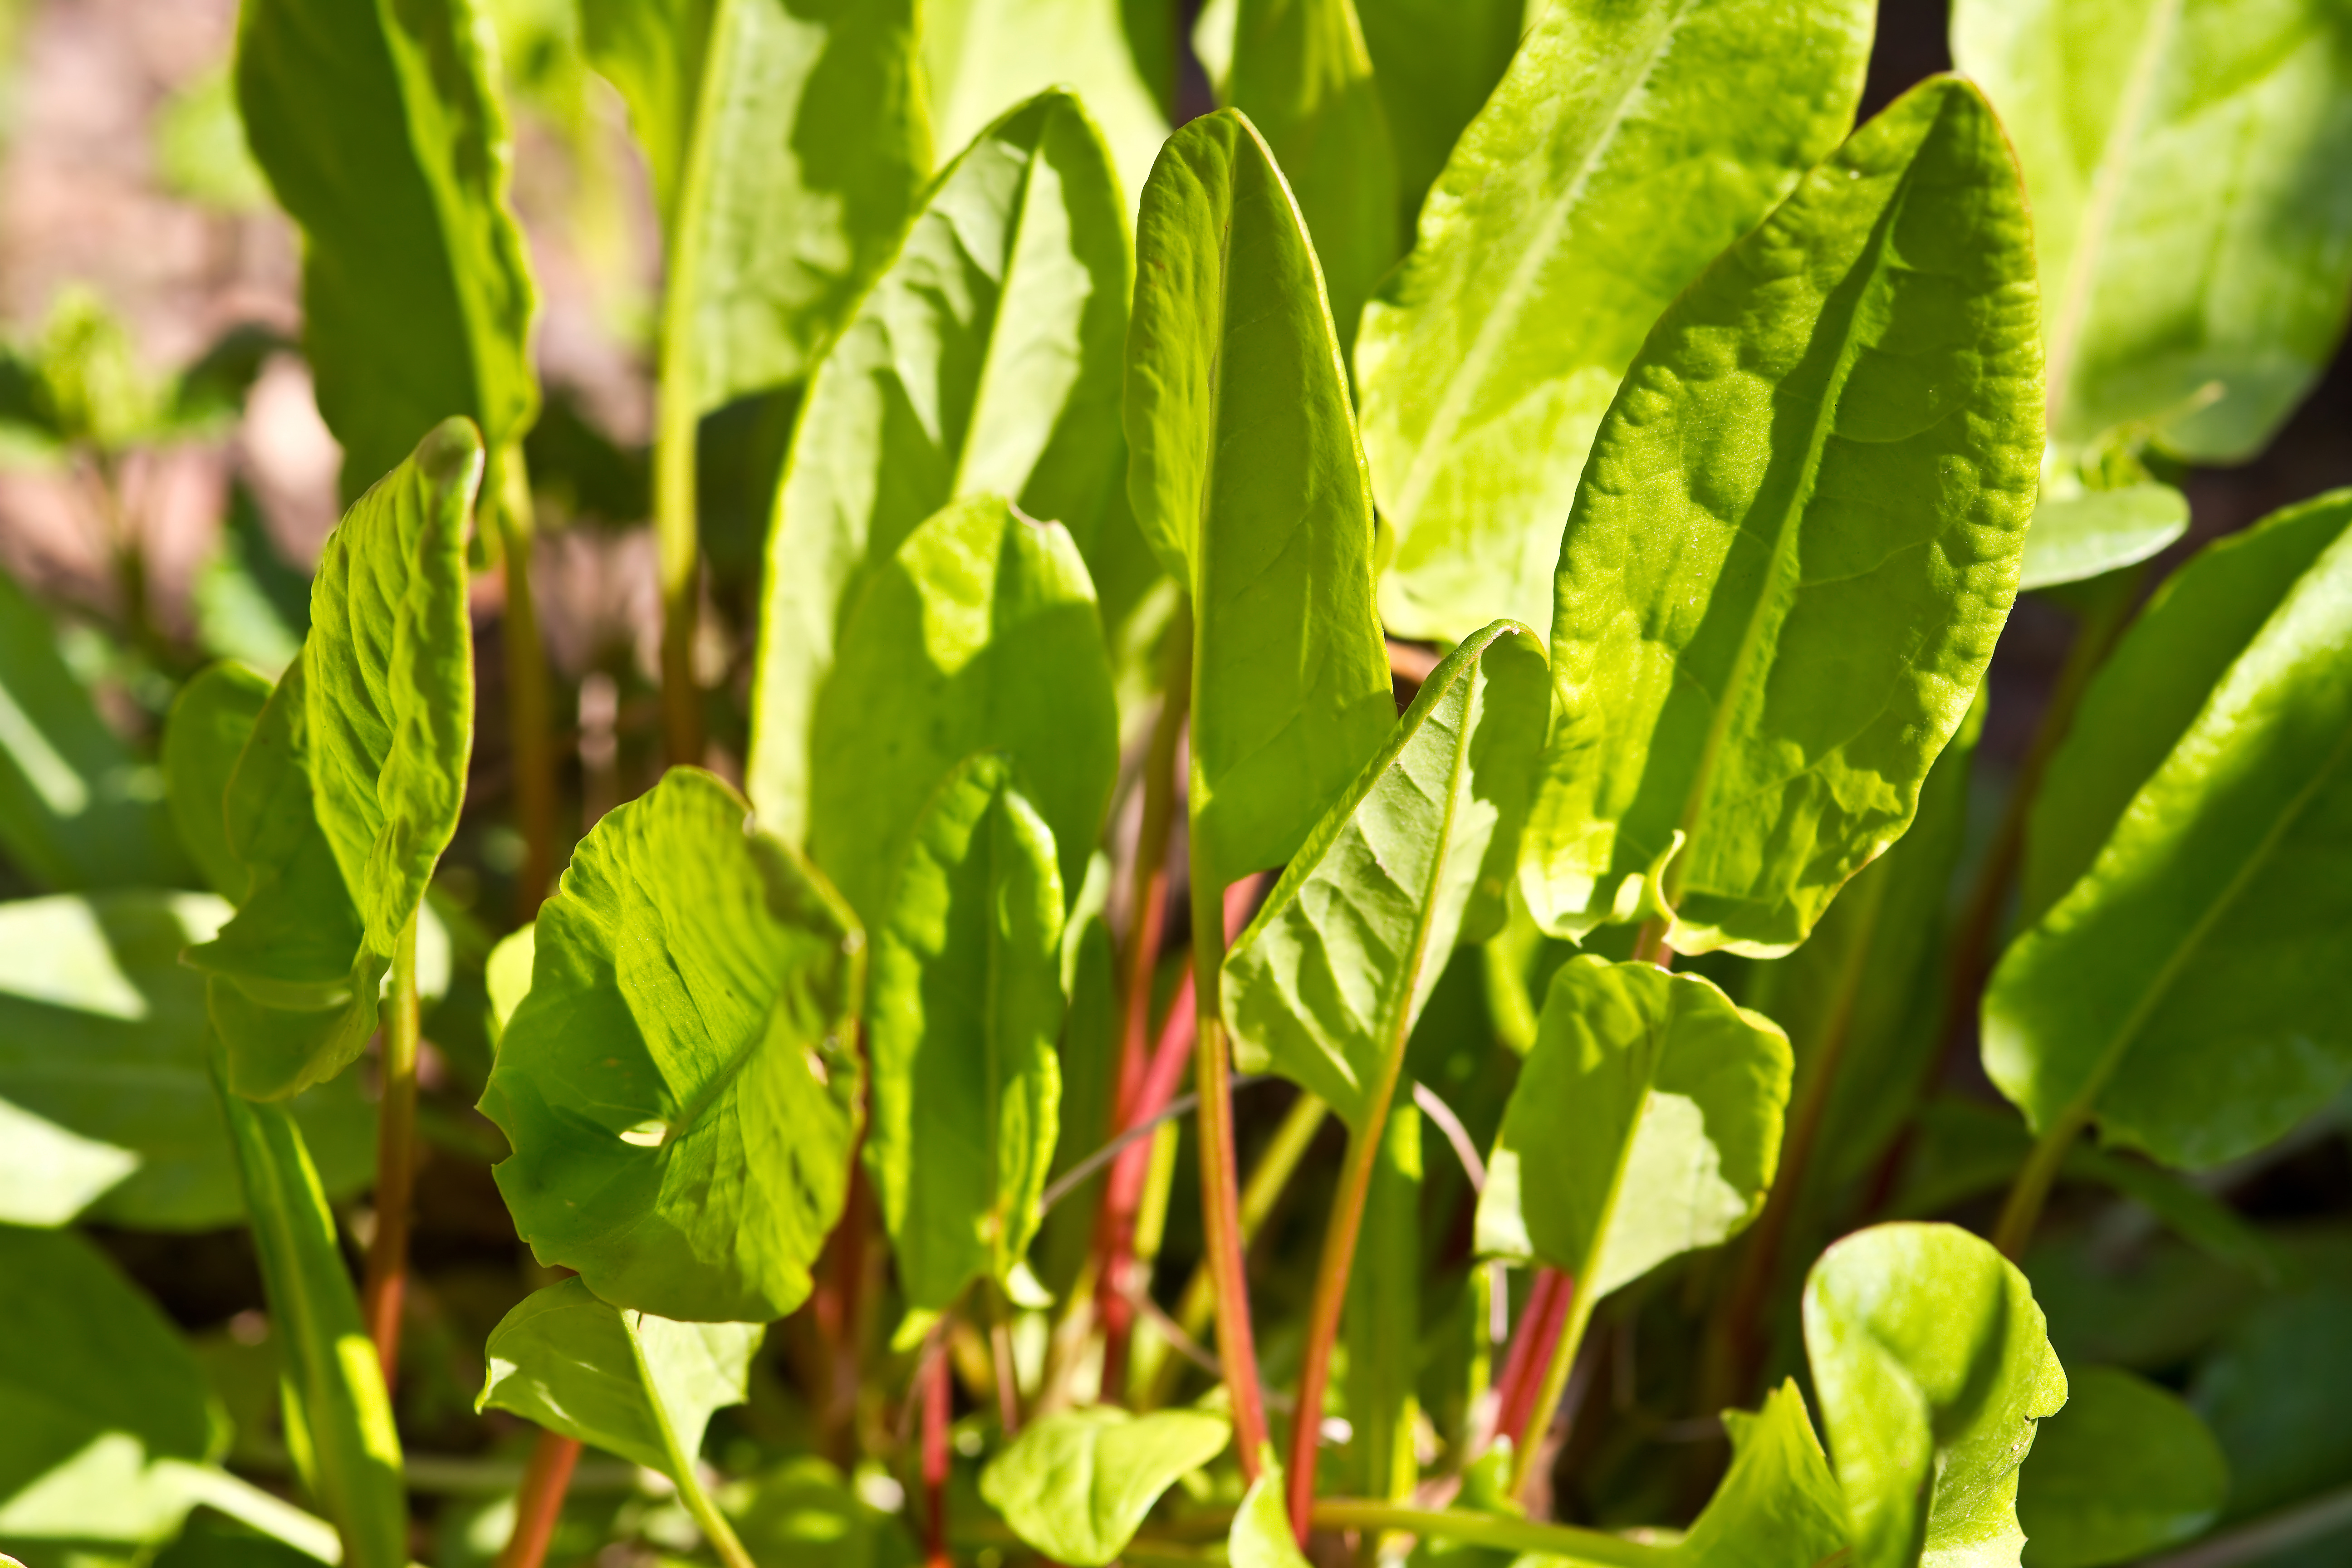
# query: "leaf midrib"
1015,224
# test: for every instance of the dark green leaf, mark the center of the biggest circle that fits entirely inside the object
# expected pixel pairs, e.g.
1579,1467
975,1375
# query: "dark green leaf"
1076,1485
2275,1393
1434,61
1627,145
1326,984
1932,1366
961,1024
985,360
680,1086
211,720
1248,483
2123,1469
1778,1507
1795,544
1381,1330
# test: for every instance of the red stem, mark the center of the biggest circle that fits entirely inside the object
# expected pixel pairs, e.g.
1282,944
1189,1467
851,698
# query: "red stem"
540,1502
1530,1355
934,1379
1220,1219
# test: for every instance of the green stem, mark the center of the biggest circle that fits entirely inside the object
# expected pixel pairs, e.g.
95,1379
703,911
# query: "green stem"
1554,1540
1339,1237
2022,1211
706,1517
1555,1385
1220,1189
395,1160
530,703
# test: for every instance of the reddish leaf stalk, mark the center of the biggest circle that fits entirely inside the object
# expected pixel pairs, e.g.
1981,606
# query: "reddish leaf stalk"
1531,1353
933,1378
1220,1175
387,1280
540,1502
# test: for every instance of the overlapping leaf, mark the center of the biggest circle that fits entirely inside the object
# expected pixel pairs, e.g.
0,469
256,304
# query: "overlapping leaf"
1625,147
1795,544
1779,1506
2124,1470
680,1086
1076,1485
1434,62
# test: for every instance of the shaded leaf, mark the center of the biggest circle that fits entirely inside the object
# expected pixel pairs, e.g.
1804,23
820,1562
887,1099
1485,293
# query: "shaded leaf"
984,360
965,1005
1795,544
210,722
1326,984
1626,146
804,1514
1779,1506
1076,1485
1380,1324
2274,1392
2123,1469
628,1382
2094,531
1248,484
1434,62
1931,1365
680,1086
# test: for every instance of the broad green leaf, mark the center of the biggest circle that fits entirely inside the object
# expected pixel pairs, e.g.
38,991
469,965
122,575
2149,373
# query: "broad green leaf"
78,809
2184,159
1646,1123
1626,146
338,1414
628,1382
966,1003
1930,1361
979,633
788,146
249,603
2090,531
1779,1506
2150,689
106,1094
982,57
1076,1485
804,1514
1795,544
1434,62
2275,1393
1326,984
380,131
985,360
1301,73
2123,1469
1248,482
390,667
211,720
680,1086
2185,994
1381,1328
103,1397
1261,1537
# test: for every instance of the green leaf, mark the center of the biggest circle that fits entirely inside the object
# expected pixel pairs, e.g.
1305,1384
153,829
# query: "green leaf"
1301,73
2123,1469
200,150
1434,62
1779,1506
1248,482
1626,146
1795,544
102,1397
1076,1485
1646,1123
106,1094
1326,984
1380,1327
2275,1392
979,633
1931,1365
1261,1537
985,360
2185,993
2184,164
77,808
380,129
965,1005
788,147
210,722
981,57
804,1514
680,1086
391,674
2150,689
338,1415
628,1382
2091,532
506,975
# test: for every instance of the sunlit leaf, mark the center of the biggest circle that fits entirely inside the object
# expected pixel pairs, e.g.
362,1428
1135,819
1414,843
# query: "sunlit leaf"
1779,1506
2082,535
1076,1485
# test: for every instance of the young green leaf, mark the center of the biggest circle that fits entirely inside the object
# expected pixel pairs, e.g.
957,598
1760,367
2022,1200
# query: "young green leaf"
506,975
1261,1535
106,1094
1795,544
1646,1123
1301,73
979,633
379,129
628,1382
338,1414
73,814
2125,1469
1247,481
984,360
1779,1506
2183,158
2183,992
680,1086
1434,62
1326,984
1626,146
1076,1485
211,720
1932,1365
961,1024
2079,533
